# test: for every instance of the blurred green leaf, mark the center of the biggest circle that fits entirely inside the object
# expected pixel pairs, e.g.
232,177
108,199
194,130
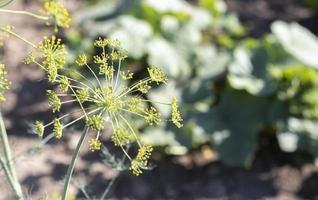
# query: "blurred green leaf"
298,41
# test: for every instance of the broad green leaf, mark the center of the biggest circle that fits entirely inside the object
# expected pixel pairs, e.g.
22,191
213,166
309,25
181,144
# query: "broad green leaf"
298,41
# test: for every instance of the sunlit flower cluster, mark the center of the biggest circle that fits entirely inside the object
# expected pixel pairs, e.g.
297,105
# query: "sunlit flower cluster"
141,160
59,14
105,102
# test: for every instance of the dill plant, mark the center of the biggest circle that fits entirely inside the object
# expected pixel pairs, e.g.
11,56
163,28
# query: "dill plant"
107,102
6,160
52,13
110,102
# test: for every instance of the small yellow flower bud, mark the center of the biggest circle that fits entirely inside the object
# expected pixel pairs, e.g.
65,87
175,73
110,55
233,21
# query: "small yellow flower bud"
175,113
39,128
57,128
134,104
57,11
106,70
101,42
152,116
54,101
143,87
127,75
120,137
95,122
82,94
94,144
81,60
119,55
136,167
157,75
100,59
30,58
64,83
144,153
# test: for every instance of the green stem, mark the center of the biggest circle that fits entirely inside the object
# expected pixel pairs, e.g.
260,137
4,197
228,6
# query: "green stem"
18,36
109,186
5,3
22,12
72,164
8,164
7,172
120,170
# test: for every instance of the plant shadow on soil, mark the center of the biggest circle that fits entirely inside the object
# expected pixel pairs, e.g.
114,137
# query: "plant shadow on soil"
272,173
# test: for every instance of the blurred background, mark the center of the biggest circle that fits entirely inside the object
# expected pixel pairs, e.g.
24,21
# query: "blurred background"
245,73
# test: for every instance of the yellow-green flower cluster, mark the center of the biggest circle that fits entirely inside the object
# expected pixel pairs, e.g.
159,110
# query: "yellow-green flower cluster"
157,75
52,57
95,145
57,12
141,161
39,128
64,83
81,60
96,122
121,137
57,128
108,101
152,116
175,113
54,101
4,82
82,94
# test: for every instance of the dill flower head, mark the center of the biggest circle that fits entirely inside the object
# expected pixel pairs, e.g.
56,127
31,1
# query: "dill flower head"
121,137
152,116
136,167
127,75
57,128
157,75
4,82
144,153
175,113
52,56
81,60
57,12
109,102
141,161
82,94
94,144
54,101
95,122
64,83
39,128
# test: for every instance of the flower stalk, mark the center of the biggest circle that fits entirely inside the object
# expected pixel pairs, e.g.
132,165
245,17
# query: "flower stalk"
22,12
7,162
72,164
